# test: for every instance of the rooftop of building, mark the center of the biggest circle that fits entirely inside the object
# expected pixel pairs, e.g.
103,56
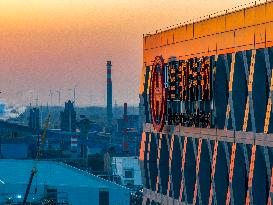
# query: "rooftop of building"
122,157
51,174
209,16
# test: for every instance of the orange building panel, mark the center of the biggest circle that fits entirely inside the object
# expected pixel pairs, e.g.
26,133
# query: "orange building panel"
236,31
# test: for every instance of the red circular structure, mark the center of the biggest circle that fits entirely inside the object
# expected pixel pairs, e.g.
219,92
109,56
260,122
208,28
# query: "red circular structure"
157,94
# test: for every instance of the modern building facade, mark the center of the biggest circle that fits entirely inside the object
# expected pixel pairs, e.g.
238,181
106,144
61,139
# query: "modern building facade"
206,101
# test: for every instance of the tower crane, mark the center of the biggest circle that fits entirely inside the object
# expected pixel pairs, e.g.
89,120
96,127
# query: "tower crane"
34,169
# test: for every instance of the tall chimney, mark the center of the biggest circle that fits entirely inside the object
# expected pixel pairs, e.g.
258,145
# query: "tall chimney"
109,94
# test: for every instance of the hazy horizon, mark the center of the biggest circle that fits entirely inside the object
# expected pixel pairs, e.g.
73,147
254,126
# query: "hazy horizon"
55,45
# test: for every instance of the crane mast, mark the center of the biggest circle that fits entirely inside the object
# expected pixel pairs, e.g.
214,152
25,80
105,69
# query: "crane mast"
34,169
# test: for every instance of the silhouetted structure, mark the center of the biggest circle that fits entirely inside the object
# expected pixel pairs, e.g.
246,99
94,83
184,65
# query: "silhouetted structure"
109,94
68,117
127,131
34,119
128,121
84,125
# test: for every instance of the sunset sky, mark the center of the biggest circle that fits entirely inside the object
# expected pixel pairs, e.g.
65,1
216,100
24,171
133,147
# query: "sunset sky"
57,44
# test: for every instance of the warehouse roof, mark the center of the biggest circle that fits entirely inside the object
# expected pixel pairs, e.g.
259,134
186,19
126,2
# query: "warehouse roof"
50,173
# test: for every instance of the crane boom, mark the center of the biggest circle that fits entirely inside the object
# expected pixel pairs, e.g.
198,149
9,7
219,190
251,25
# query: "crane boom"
34,169
33,172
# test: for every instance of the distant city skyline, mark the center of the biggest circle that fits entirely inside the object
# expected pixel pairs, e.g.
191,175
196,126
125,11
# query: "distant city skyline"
57,45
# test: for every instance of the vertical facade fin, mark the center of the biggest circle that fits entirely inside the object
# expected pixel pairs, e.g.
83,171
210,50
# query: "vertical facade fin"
230,197
197,189
212,196
270,197
270,83
230,75
141,158
183,185
170,147
158,178
249,78
148,159
249,196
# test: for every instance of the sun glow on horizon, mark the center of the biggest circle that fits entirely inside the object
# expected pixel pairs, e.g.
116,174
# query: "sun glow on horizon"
53,44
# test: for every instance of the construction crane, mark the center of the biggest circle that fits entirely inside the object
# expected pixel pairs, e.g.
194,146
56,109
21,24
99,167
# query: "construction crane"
34,169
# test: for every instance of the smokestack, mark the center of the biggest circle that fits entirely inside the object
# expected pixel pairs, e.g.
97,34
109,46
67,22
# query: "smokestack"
125,134
109,93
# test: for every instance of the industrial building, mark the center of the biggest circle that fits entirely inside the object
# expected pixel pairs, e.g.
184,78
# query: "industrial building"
34,119
206,101
58,182
128,131
68,117
128,121
109,105
14,151
17,148
128,169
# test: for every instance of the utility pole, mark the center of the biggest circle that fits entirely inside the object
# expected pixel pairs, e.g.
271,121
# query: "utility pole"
51,94
59,96
74,94
41,108
37,99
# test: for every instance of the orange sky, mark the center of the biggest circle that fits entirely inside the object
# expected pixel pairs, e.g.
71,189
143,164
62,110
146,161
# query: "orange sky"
56,44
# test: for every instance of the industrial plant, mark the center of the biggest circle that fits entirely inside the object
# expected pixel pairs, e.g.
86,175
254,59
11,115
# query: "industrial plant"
62,155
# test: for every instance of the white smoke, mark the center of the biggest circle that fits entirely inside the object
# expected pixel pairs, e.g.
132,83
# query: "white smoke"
10,111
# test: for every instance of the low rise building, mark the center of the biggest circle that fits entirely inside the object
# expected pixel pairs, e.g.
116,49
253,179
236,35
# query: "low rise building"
58,182
128,169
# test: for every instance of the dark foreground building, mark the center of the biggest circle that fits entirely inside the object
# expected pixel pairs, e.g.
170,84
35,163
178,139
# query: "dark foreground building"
206,96
68,117
34,119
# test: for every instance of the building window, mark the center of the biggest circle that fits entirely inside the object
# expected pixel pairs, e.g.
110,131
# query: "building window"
103,197
52,194
129,183
129,173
